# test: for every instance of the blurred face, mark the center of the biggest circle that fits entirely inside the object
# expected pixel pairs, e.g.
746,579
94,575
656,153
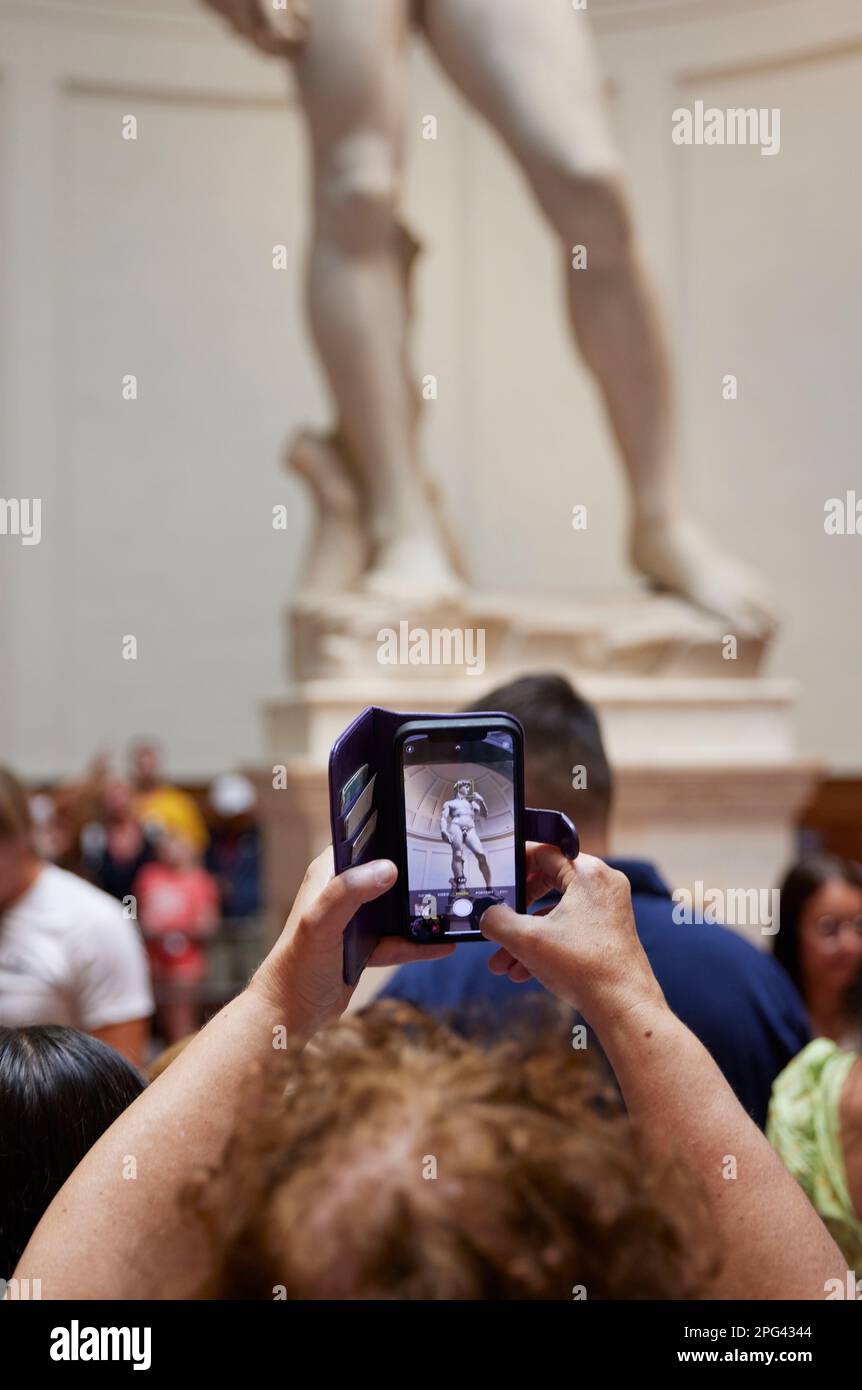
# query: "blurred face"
16,860
145,763
117,799
175,851
830,938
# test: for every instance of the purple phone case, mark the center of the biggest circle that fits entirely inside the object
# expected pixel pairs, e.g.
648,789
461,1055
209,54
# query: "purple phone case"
371,739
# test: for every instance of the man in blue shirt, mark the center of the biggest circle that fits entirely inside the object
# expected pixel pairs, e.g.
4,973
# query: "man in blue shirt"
737,1000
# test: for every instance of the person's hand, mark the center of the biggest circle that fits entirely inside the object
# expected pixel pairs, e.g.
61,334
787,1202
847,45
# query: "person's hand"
585,950
543,871
302,973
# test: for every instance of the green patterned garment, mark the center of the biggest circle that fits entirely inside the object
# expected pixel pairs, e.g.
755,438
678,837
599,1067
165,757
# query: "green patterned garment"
804,1128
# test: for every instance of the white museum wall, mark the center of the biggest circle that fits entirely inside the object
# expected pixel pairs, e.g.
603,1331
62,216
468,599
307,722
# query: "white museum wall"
154,257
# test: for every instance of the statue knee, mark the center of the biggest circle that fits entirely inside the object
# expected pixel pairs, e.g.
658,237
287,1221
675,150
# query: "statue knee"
589,209
358,191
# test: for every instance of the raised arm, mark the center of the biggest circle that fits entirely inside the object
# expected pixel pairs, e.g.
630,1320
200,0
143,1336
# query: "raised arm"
586,951
116,1229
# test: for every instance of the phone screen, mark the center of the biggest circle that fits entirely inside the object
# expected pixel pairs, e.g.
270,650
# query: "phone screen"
460,826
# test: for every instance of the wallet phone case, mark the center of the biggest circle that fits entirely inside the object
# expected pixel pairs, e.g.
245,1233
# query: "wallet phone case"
370,740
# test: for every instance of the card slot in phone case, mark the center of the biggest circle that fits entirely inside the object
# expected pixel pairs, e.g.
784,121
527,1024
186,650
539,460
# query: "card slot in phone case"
352,789
368,851
341,855
344,850
365,837
349,825
345,846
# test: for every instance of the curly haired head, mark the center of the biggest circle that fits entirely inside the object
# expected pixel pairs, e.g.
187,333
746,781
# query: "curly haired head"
396,1160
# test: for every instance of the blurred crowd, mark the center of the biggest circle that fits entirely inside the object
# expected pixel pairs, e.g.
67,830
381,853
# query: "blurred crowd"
184,867
115,892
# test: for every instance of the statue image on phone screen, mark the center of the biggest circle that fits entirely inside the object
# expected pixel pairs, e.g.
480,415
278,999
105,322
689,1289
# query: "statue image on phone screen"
458,828
459,824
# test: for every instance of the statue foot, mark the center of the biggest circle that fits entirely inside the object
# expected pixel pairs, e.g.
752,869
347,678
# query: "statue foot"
680,557
412,568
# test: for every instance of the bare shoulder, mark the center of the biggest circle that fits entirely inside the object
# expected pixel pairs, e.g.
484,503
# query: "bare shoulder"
850,1112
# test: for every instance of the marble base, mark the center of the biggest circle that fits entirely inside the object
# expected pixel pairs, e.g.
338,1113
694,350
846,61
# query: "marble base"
636,633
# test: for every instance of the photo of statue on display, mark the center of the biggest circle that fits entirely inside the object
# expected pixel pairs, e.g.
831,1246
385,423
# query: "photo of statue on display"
458,828
459,824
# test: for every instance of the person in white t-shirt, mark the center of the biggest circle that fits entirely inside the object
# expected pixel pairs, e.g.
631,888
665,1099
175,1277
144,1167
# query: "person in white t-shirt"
68,955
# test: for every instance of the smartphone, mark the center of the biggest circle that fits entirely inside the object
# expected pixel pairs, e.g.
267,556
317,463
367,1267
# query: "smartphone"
460,800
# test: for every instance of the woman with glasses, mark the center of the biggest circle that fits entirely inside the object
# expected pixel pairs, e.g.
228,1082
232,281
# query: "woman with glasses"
815,1115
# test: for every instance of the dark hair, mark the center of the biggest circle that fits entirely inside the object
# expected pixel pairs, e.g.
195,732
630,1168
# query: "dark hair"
14,807
59,1091
562,732
805,878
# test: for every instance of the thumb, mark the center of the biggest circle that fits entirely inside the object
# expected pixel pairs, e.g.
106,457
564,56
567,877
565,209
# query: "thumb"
507,928
343,896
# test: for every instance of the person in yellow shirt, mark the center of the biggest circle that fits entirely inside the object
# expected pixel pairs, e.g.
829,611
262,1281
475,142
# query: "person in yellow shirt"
161,806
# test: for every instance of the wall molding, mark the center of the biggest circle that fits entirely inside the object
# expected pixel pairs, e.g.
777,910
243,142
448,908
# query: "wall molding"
779,62
180,96
118,17
190,20
614,15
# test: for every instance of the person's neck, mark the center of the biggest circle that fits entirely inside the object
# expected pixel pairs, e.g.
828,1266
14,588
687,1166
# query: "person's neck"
829,1017
29,873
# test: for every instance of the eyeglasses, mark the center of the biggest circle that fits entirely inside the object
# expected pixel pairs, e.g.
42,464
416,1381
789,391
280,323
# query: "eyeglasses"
829,930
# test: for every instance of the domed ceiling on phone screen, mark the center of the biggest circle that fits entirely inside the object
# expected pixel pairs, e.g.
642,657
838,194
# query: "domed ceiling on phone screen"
428,788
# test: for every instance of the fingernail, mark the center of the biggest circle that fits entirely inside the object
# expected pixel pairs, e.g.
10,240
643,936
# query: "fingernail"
382,872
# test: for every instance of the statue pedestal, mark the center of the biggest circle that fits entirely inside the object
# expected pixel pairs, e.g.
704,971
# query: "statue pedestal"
708,781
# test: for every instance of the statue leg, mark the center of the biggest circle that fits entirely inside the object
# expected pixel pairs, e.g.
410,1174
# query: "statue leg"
529,69
456,840
351,74
475,844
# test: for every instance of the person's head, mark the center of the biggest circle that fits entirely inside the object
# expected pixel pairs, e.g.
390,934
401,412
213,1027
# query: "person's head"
59,1091
175,850
463,789
146,765
819,940
233,803
18,858
118,799
402,1162
566,768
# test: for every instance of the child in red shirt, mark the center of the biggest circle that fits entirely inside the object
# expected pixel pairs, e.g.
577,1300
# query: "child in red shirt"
178,907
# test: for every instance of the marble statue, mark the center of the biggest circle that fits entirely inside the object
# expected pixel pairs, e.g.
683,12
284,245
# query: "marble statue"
527,66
